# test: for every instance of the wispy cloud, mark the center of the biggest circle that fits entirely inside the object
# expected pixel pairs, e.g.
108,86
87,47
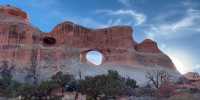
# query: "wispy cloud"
180,28
182,59
196,68
190,3
139,18
125,2
88,22
169,28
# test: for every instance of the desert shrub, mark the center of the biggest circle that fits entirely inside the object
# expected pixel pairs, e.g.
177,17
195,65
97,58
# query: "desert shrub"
109,85
62,79
46,87
26,90
10,89
6,75
131,83
72,86
8,86
29,91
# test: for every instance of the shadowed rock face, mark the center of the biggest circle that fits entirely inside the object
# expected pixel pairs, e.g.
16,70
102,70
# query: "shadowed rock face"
32,51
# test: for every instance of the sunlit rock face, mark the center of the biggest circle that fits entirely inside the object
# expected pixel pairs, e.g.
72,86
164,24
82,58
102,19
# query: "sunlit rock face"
9,13
114,42
32,55
147,46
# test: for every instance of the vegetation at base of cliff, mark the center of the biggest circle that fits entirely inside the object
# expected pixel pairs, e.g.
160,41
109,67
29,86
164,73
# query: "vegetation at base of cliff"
111,84
107,86
8,87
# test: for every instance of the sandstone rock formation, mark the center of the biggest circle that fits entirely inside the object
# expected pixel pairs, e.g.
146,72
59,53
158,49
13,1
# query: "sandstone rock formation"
192,76
35,54
147,46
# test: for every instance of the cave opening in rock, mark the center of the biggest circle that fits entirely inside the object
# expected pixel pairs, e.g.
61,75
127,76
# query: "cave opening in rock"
95,57
49,41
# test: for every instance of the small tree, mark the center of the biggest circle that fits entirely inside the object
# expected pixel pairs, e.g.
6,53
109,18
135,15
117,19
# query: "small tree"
27,90
46,87
63,79
109,85
7,86
131,83
6,72
158,77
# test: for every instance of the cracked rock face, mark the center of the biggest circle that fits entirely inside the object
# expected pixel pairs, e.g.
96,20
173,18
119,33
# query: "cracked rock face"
36,55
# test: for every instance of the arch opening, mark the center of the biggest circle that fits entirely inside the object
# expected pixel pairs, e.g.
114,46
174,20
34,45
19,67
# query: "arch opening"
49,41
95,57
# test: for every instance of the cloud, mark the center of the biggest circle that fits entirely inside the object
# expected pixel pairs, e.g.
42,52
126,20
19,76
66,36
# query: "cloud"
139,18
125,2
114,22
190,3
196,68
189,20
190,23
182,59
88,22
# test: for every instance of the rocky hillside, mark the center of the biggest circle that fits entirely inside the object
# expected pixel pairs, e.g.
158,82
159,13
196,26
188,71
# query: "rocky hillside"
32,55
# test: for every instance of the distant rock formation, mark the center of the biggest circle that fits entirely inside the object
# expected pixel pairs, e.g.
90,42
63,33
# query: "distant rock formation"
37,54
190,80
192,76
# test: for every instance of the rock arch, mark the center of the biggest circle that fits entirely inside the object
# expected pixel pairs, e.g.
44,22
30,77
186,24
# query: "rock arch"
83,54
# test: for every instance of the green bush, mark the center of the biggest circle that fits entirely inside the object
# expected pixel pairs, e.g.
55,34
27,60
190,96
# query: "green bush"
131,83
111,84
62,79
46,87
26,90
8,87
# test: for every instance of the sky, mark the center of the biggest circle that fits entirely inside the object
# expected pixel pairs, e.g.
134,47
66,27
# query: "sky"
173,24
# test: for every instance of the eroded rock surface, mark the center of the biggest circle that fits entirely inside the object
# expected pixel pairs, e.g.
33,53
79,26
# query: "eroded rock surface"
38,55
147,46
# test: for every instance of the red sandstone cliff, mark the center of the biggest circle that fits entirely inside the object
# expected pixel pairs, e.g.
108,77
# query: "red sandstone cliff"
28,48
147,46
